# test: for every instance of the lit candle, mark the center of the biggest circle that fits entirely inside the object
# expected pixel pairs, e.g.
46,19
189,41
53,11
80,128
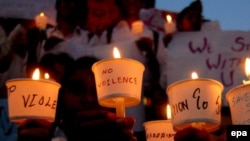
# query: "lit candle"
195,102
32,98
238,100
137,27
46,76
247,71
168,111
118,82
41,20
170,25
160,127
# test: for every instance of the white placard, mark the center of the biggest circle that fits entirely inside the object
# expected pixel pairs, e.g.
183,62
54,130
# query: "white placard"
218,55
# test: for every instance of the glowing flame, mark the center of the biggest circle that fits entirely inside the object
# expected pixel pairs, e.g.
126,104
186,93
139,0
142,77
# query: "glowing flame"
169,18
194,75
116,53
168,111
247,67
36,74
46,76
42,14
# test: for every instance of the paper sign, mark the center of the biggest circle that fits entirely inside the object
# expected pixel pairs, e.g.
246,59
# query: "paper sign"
217,55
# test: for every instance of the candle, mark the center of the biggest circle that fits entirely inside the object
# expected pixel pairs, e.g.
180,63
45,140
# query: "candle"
163,128
118,82
170,25
238,100
195,102
137,27
247,71
32,98
41,20
168,112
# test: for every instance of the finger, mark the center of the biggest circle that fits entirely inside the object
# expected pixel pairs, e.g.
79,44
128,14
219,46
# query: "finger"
29,123
127,122
95,114
34,134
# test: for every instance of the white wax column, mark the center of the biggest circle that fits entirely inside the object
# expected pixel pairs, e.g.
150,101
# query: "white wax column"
137,27
41,20
170,25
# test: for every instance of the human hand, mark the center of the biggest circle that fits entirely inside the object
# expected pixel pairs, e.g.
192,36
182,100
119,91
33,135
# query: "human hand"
35,130
192,134
103,125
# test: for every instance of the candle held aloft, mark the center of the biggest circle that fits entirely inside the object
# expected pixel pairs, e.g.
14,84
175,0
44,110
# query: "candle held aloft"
41,20
118,82
32,98
196,103
170,26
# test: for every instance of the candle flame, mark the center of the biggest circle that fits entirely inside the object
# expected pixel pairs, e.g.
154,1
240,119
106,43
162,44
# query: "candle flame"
42,14
247,67
168,110
169,18
116,53
36,74
46,75
194,75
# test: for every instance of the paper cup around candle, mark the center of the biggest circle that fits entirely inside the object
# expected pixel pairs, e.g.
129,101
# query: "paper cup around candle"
32,99
196,103
159,130
239,103
118,78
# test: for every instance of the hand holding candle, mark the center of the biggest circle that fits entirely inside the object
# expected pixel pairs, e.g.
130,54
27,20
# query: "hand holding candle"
118,82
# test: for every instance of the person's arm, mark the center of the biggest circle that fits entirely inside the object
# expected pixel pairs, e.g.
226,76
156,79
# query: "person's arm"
96,125
35,130
145,45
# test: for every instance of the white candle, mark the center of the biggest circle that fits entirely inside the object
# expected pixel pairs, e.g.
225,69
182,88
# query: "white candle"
170,25
159,130
195,102
32,98
41,20
137,27
168,112
118,82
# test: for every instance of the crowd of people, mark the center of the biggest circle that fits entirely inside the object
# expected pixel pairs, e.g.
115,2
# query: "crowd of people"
83,31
